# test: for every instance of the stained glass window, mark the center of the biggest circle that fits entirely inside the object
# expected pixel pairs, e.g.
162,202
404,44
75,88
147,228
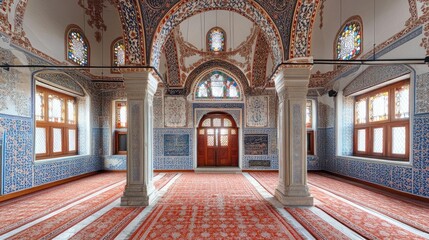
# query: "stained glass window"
349,41
216,40
56,108
118,53
379,107
77,47
71,111
360,111
40,106
217,85
121,114
402,108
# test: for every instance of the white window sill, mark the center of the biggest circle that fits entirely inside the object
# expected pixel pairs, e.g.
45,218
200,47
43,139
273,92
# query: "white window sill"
377,160
59,159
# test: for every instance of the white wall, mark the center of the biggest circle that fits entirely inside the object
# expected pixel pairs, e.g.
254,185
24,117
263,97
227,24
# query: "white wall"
45,23
390,18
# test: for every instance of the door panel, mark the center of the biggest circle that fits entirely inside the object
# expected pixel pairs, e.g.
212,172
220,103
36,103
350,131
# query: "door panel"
217,141
217,147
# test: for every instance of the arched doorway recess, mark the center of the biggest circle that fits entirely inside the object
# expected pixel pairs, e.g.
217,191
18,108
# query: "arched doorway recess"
217,141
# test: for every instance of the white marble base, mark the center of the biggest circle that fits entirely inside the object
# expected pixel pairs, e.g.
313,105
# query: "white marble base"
136,196
289,200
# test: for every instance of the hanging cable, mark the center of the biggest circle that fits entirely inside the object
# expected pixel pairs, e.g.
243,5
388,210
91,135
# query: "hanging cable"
373,47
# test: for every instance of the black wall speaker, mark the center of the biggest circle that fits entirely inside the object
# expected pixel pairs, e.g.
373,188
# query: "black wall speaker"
332,93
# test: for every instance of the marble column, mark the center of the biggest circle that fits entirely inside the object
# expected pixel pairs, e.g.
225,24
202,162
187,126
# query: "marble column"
291,82
140,88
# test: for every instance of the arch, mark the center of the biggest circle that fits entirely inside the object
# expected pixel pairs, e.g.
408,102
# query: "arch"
64,82
133,32
217,85
186,8
217,140
355,21
302,27
117,54
210,115
208,66
75,35
210,41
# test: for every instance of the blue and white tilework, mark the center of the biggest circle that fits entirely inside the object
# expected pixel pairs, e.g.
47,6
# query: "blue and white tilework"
410,178
19,168
172,162
422,94
115,162
272,149
17,165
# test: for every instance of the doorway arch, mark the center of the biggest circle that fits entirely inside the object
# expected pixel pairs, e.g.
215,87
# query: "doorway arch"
217,141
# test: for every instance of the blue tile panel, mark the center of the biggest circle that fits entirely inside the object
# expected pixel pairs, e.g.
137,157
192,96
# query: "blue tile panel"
272,154
412,179
115,162
50,171
17,165
20,171
162,162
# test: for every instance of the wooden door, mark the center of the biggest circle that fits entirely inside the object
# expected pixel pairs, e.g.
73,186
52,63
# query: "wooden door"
217,141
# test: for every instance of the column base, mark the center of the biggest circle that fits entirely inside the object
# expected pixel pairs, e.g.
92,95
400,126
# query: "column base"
294,200
137,196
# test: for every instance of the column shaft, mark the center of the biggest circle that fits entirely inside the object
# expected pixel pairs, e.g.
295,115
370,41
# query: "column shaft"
140,88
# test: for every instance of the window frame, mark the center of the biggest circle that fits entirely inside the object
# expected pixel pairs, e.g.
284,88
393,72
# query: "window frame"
73,27
387,126
50,126
310,128
119,129
356,19
113,55
208,40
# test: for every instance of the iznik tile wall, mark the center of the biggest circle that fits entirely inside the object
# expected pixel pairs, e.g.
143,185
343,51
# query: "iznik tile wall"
412,177
19,168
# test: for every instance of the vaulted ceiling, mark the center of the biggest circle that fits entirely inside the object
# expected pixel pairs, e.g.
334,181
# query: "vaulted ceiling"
246,48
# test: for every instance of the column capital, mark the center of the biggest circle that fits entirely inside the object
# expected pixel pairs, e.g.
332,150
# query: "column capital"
295,73
137,83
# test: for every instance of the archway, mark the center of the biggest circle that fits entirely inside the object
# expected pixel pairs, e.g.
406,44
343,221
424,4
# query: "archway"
217,141
187,8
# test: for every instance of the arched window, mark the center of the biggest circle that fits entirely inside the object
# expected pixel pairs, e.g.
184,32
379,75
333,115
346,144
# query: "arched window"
217,85
118,53
349,39
216,40
77,46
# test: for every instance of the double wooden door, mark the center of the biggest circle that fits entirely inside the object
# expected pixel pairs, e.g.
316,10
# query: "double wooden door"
217,141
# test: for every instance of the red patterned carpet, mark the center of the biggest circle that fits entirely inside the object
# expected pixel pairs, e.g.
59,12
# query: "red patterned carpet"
362,222
408,212
208,206
110,224
214,206
17,212
60,222
318,227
